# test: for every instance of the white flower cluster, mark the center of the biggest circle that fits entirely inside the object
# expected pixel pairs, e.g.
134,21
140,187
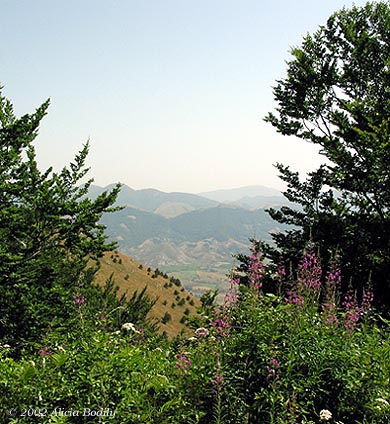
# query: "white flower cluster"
202,332
129,326
325,415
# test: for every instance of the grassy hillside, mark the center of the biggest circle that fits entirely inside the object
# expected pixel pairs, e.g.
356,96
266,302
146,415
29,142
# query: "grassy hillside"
130,275
203,240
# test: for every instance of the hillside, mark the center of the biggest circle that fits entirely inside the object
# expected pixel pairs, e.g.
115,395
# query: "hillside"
156,201
192,236
173,299
131,227
196,246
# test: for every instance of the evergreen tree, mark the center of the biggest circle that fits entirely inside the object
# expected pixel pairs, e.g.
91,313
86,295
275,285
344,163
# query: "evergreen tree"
49,230
337,95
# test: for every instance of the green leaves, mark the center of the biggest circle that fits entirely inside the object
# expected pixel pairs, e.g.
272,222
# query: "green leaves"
336,94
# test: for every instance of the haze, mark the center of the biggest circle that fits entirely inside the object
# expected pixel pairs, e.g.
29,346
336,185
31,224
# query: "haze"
171,93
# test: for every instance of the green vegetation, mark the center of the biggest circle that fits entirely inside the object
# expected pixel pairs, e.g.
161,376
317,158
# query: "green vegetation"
49,232
291,342
336,95
259,359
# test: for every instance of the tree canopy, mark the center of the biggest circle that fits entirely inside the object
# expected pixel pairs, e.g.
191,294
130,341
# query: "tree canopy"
336,94
49,233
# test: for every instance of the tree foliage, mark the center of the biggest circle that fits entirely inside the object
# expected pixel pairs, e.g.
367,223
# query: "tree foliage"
49,232
336,94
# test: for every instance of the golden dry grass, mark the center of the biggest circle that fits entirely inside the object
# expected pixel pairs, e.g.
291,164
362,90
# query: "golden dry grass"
130,276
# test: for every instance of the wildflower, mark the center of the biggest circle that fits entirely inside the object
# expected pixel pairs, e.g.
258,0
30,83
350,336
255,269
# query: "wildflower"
218,382
235,281
281,273
230,300
78,300
325,415
202,332
332,284
368,297
273,370
129,326
222,326
183,362
310,272
383,403
330,313
256,270
294,298
352,312
44,351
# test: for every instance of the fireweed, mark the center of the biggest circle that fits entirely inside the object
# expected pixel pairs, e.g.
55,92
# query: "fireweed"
222,322
308,285
355,312
273,371
332,285
309,273
256,270
78,300
183,363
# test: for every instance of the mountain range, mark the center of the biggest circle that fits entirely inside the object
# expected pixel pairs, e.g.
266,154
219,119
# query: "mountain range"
192,236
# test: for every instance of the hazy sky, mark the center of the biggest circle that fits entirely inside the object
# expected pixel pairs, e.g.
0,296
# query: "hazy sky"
171,93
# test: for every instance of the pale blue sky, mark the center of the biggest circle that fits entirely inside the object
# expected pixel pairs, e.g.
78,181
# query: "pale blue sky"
171,93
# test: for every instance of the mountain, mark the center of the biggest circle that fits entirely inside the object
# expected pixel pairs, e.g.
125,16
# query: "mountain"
132,226
159,202
192,236
196,246
236,194
261,202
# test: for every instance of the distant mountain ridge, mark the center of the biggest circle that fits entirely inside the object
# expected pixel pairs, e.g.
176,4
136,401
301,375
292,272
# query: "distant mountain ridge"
132,226
156,201
236,194
189,235
173,204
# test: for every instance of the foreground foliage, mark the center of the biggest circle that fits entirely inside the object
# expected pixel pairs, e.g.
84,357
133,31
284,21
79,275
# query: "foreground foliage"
336,95
260,358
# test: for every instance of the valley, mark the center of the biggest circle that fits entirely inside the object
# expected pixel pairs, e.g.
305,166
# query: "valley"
192,237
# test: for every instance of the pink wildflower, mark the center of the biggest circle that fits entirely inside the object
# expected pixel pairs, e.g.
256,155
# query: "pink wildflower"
256,270
78,300
368,297
352,312
202,332
222,325
230,299
294,298
218,382
273,370
310,272
182,362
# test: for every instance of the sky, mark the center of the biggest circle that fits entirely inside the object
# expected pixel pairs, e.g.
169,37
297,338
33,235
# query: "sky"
170,93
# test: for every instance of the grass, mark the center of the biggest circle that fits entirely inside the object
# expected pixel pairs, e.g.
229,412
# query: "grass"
129,277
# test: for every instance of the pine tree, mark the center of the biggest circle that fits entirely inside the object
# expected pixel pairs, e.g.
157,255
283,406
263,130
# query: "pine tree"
49,230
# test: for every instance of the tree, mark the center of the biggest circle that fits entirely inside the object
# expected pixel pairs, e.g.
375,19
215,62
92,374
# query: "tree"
337,95
49,230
